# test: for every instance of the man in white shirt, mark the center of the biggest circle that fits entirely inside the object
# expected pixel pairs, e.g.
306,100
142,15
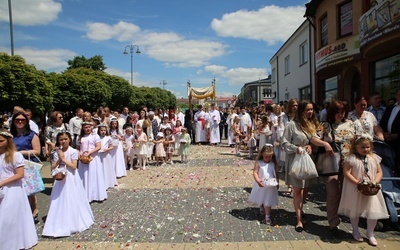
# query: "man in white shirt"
245,121
214,121
75,124
125,112
34,127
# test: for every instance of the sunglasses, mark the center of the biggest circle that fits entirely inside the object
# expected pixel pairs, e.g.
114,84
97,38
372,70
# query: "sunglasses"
60,117
18,120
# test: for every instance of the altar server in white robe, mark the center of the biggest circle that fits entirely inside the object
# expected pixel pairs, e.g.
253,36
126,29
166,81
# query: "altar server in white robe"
214,120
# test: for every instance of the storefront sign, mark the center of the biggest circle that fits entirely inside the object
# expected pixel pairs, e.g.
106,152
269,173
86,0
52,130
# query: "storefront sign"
380,20
345,50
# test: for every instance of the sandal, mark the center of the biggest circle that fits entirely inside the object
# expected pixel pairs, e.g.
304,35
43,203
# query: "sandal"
289,191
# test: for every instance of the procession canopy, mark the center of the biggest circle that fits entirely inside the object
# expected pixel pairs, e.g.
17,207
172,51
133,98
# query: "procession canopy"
202,93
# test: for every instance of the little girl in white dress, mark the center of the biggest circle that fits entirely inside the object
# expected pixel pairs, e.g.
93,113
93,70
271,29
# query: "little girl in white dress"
69,210
266,182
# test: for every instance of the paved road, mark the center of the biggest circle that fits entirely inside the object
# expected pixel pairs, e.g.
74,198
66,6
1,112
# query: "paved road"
201,205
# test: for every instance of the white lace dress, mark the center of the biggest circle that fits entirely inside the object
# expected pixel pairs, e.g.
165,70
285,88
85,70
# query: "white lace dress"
267,196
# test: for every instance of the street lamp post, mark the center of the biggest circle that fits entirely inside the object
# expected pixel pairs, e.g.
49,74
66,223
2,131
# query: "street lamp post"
131,47
163,84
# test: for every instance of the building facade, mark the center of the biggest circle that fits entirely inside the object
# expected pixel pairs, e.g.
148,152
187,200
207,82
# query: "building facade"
256,92
356,47
292,66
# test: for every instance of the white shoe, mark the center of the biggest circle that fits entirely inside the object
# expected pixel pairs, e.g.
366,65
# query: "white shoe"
172,162
372,241
131,169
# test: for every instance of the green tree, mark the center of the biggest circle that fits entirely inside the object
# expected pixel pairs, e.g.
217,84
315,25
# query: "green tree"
121,91
95,63
81,87
23,85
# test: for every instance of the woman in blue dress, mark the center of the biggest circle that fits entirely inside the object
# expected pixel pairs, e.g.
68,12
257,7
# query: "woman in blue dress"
28,144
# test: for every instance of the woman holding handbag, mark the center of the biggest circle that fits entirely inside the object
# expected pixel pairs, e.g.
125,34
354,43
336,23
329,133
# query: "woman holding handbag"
28,144
338,131
297,137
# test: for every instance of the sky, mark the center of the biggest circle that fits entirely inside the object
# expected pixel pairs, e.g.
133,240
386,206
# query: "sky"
179,40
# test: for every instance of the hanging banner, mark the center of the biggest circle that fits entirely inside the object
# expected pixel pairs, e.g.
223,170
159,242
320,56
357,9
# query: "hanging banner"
380,20
202,93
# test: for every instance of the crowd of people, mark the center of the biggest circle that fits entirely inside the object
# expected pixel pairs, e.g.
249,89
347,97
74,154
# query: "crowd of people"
91,150
338,132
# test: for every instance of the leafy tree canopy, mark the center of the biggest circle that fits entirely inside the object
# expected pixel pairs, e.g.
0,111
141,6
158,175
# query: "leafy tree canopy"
95,63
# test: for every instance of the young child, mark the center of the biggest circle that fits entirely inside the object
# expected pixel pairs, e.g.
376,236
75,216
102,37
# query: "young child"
362,165
237,134
129,137
91,173
141,147
266,182
251,144
18,228
160,152
170,146
117,152
68,195
105,157
184,141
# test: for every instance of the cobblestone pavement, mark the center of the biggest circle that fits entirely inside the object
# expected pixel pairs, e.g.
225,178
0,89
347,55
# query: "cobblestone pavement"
202,205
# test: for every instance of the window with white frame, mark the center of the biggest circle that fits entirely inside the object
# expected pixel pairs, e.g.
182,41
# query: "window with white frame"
287,65
303,53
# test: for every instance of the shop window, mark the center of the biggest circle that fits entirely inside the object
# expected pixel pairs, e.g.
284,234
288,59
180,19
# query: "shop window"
324,31
305,93
386,78
330,89
303,53
287,65
345,19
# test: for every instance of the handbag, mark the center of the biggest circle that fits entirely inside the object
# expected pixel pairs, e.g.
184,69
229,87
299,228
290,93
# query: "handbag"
32,181
303,167
328,164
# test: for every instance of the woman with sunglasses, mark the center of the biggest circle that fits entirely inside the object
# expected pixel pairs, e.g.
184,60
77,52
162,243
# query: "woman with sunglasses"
27,143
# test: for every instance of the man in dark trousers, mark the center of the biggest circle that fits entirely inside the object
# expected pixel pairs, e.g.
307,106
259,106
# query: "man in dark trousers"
189,123
390,124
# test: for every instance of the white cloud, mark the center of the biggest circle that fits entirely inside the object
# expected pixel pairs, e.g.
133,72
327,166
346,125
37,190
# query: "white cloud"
29,12
237,76
122,31
49,60
168,47
185,53
271,24
124,74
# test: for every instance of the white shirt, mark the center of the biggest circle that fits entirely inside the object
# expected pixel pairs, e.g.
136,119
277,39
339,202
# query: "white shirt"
181,117
75,125
34,127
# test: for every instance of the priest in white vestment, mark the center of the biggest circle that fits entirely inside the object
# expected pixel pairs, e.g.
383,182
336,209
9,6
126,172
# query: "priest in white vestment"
199,119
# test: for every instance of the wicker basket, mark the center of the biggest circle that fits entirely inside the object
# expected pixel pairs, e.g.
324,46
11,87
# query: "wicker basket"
86,159
368,189
59,176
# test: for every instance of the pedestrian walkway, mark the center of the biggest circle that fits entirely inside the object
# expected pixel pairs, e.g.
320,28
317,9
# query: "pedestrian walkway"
202,205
